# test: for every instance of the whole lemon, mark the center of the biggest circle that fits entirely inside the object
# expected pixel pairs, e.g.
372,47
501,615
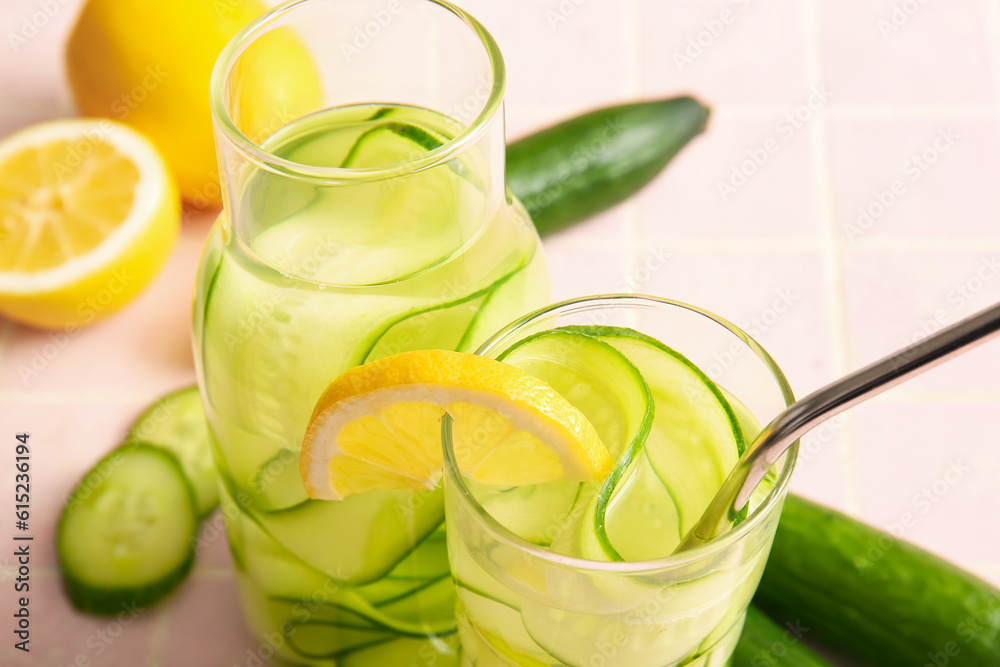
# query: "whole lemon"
148,63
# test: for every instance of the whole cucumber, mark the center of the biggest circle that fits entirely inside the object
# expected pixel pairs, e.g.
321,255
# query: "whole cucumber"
764,643
575,169
877,599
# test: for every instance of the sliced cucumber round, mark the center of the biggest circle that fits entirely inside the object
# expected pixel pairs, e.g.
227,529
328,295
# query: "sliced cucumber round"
695,441
440,651
603,384
319,640
375,531
126,536
177,423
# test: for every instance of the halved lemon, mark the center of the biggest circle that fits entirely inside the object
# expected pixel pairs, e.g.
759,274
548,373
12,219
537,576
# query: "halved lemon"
378,426
88,215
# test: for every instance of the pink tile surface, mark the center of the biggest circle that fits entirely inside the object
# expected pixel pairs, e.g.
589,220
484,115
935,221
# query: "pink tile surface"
730,51
204,612
66,439
559,56
143,350
583,270
927,178
920,53
60,635
951,464
823,470
32,63
746,178
896,298
778,298
780,232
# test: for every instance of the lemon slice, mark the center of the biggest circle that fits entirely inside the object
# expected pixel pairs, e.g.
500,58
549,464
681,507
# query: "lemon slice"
88,215
378,426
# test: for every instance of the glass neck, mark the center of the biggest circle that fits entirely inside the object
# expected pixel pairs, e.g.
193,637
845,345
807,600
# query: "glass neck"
376,132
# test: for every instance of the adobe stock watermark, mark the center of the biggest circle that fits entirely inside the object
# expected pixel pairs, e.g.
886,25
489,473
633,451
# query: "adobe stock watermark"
88,310
300,613
577,162
124,104
261,307
211,192
773,654
100,640
77,151
912,170
370,30
816,440
981,619
654,259
33,23
562,12
782,302
900,15
758,156
466,110
922,503
959,296
711,30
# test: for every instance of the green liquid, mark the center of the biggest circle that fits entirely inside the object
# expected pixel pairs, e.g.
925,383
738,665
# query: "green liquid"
518,608
325,278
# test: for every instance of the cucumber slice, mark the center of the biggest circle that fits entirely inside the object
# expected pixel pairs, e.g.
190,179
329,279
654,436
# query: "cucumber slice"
275,570
535,513
429,560
278,483
389,590
127,533
429,611
441,326
431,608
695,441
405,142
235,533
440,651
319,640
508,299
493,619
389,143
177,423
374,531
603,384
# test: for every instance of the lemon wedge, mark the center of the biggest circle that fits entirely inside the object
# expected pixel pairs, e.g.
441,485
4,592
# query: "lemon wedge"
88,216
378,426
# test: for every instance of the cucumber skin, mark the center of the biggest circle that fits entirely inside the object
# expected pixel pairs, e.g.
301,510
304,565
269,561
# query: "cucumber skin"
584,165
764,643
111,601
908,609
205,510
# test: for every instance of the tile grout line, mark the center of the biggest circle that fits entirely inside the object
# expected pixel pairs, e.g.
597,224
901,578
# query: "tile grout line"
833,252
632,85
159,638
798,244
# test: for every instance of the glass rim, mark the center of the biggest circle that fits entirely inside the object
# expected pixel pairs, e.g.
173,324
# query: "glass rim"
253,152
582,304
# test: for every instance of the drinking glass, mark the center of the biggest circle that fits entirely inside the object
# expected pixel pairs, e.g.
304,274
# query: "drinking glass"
522,603
361,150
